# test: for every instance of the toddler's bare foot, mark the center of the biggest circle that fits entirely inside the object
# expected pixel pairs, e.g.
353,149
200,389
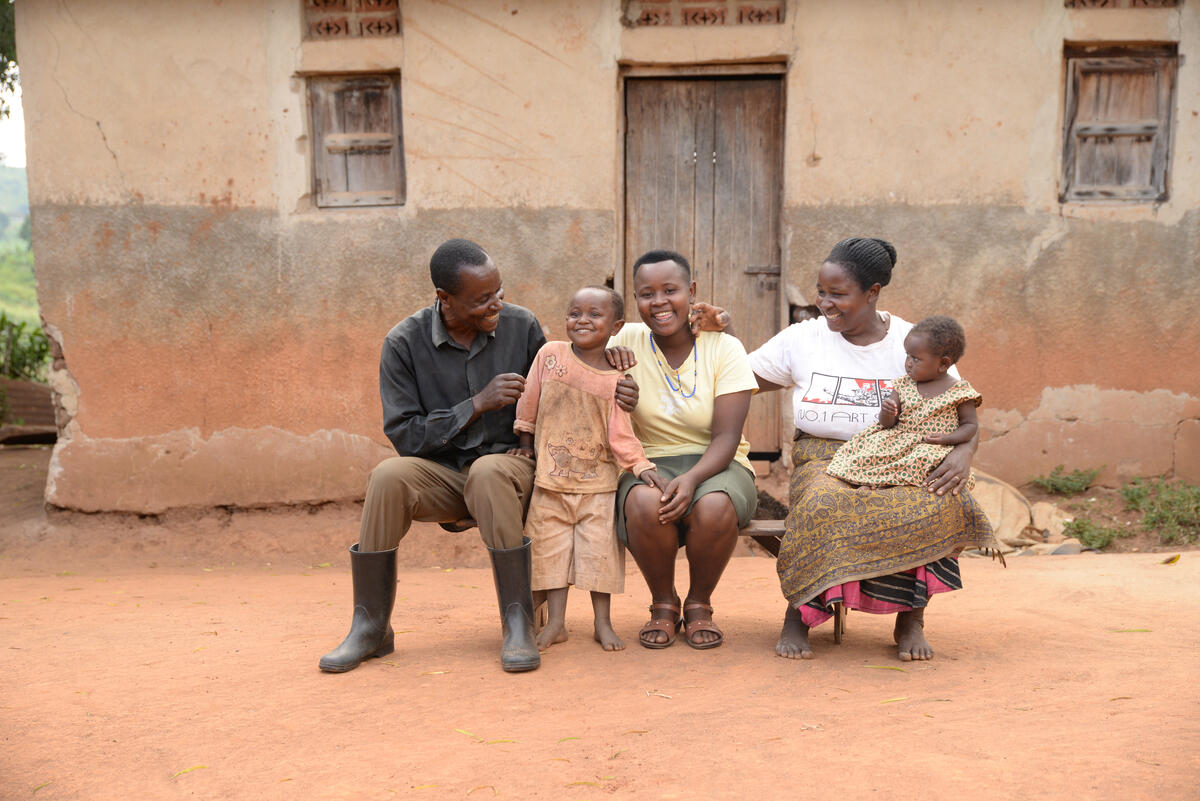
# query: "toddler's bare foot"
555,629
554,632
793,639
608,638
910,636
601,612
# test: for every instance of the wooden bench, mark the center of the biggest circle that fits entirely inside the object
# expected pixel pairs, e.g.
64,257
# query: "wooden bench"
767,533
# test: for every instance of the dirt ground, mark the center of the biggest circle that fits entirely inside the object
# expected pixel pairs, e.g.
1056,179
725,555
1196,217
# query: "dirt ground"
176,658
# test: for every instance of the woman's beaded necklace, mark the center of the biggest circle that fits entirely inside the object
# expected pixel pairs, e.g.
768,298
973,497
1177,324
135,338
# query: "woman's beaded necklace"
667,373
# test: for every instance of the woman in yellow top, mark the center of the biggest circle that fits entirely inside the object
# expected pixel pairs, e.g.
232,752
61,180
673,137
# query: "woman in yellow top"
695,392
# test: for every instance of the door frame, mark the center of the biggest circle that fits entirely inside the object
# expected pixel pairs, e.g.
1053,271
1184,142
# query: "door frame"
749,69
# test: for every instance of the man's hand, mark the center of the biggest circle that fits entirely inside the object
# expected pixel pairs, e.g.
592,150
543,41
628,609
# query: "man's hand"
620,358
626,395
503,390
706,317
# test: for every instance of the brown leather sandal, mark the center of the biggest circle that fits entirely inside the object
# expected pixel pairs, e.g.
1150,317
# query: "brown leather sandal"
668,627
693,626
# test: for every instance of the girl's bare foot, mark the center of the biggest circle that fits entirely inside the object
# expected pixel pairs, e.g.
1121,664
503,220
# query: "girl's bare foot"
910,636
604,633
608,638
554,632
793,639
556,624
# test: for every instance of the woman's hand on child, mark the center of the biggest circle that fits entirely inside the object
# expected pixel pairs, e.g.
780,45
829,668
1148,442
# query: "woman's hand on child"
706,317
676,499
952,474
653,479
520,450
620,358
626,395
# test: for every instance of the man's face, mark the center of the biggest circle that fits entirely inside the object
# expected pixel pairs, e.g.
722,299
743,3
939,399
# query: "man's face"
479,298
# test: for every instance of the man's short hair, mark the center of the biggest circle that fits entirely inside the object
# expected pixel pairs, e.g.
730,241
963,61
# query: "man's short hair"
448,260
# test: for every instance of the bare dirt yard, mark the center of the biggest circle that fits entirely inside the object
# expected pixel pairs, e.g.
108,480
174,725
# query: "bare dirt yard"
176,658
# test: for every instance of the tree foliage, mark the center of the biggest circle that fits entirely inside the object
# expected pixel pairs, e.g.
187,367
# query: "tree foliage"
24,350
8,53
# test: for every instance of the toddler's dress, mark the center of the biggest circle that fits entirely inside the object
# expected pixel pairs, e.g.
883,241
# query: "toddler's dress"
885,457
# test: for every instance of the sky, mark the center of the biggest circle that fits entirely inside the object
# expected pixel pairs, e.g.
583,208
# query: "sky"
12,132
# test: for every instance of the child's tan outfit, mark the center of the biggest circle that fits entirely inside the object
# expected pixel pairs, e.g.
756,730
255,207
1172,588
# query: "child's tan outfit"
582,441
887,457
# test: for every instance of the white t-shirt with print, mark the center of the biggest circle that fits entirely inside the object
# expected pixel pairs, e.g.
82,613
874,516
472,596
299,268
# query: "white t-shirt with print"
838,386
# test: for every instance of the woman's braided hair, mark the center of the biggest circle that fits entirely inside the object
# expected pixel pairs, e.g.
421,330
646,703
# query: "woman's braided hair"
870,261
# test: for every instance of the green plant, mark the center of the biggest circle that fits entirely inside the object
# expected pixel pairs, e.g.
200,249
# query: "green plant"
24,350
1091,535
1072,483
1136,494
1174,511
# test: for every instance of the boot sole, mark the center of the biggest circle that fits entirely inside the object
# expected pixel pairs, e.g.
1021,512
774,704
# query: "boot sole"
521,667
383,650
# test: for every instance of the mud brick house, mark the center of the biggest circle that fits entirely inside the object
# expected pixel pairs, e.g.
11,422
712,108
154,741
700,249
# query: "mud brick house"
233,201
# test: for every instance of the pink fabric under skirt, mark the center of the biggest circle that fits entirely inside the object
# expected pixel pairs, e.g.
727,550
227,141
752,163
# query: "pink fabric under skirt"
900,592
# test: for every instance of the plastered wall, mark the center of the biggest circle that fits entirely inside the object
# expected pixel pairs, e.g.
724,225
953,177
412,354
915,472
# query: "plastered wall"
220,334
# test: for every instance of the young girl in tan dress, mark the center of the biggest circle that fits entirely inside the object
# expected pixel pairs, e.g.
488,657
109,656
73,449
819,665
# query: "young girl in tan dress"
929,411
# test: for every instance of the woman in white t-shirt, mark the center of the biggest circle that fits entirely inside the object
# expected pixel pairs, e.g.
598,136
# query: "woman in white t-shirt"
879,550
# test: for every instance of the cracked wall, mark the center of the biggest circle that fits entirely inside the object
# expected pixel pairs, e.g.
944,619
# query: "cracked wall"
219,335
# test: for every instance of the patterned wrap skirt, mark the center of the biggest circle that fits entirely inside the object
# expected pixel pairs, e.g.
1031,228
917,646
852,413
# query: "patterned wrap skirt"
879,550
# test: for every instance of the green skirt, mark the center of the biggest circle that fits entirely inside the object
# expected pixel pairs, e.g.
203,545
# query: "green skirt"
735,481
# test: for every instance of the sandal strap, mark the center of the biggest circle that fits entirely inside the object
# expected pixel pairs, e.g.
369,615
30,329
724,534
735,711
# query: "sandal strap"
692,626
697,605
659,624
668,607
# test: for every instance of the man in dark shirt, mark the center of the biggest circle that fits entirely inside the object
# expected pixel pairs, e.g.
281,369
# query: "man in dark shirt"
449,378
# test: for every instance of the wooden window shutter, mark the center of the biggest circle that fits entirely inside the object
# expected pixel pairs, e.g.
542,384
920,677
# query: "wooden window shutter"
358,146
1117,126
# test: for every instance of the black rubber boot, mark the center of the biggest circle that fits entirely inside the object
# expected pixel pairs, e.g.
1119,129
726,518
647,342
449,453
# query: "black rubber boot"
374,574
512,568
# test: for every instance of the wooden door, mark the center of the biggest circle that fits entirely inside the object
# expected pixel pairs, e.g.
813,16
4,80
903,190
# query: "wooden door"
703,176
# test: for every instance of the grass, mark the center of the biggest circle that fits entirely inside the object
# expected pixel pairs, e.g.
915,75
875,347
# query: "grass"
1170,508
1091,535
1166,510
1062,483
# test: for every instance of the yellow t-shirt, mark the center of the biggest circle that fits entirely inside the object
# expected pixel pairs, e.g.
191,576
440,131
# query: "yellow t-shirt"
676,422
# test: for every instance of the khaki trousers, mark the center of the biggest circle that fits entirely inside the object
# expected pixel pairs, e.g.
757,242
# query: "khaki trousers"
493,489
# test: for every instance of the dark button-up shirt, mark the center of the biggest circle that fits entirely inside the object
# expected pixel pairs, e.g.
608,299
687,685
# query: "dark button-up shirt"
427,380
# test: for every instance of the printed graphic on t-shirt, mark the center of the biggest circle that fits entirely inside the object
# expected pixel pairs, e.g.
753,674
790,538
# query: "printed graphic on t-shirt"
672,404
845,390
821,388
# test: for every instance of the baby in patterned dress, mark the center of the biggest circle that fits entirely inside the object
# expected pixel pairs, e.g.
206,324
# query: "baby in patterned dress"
928,412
